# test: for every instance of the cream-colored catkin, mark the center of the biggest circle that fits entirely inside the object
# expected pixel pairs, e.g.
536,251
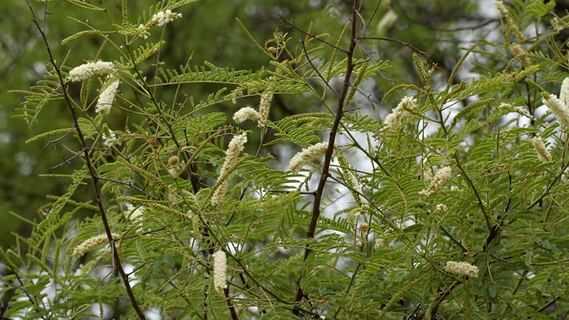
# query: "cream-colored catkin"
219,271
541,149
440,178
164,17
462,268
107,95
234,149
264,108
175,166
91,69
564,92
510,23
246,113
91,243
520,53
559,109
308,156
395,119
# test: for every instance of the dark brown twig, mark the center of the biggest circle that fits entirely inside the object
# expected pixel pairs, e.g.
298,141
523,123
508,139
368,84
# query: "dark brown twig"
230,306
342,100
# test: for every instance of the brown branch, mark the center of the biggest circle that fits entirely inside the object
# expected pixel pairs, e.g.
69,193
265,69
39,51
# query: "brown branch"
433,309
342,100
230,306
92,171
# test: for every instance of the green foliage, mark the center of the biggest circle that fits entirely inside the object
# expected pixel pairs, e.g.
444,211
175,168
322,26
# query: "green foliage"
368,232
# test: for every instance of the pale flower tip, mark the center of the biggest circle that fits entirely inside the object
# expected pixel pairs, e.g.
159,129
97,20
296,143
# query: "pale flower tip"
462,268
440,178
234,149
402,112
90,69
91,243
164,17
244,114
175,166
107,96
541,149
264,108
564,92
110,139
558,108
308,156
441,207
219,271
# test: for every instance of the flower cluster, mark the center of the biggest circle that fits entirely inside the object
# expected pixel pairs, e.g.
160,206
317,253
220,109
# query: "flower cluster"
91,243
519,52
308,156
462,268
91,69
110,139
162,18
236,146
441,207
510,23
540,149
403,110
175,166
246,113
219,270
107,96
264,108
440,178
558,107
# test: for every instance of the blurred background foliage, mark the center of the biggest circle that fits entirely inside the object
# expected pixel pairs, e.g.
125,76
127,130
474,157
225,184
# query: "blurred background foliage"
439,30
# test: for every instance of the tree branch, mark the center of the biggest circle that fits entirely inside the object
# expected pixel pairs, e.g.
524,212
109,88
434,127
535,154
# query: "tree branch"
92,171
342,101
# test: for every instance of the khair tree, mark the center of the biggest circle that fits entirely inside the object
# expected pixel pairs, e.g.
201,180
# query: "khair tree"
453,205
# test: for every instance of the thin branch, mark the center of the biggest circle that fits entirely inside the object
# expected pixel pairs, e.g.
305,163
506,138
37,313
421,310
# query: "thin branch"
92,171
230,306
194,179
315,37
434,307
400,42
550,186
476,194
342,101
33,301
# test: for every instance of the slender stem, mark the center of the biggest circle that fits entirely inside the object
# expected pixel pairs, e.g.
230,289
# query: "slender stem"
230,306
342,101
432,311
92,171
476,194
190,169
